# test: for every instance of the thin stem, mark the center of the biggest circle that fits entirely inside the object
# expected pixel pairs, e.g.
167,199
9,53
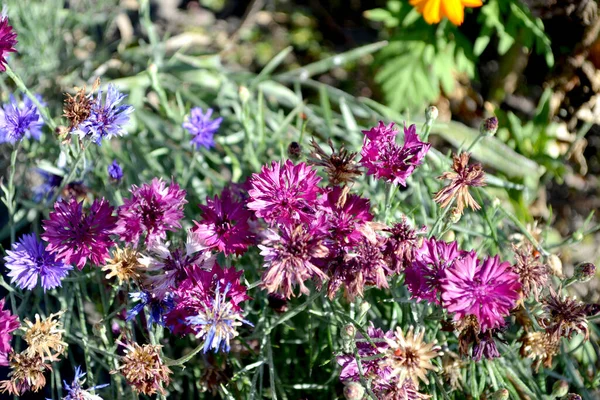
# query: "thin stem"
11,202
186,358
66,180
84,332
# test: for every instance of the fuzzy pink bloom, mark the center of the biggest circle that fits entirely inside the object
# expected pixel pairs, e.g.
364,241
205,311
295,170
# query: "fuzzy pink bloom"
224,224
424,275
487,289
153,209
285,193
74,236
291,255
385,159
195,293
8,324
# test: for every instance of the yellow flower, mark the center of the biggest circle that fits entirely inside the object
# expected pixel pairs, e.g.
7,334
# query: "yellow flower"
434,10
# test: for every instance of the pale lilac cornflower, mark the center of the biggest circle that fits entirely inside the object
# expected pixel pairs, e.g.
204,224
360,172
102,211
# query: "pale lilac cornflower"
115,172
202,128
284,193
18,121
8,324
29,262
8,40
217,322
153,209
77,392
387,160
75,236
487,289
157,306
107,116
224,224
423,276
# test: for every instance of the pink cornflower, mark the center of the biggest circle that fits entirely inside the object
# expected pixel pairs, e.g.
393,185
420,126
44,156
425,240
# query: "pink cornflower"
284,193
290,257
224,224
487,289
153,209
347,215
423,276
8,324
74,236
199,290
8,40
385,159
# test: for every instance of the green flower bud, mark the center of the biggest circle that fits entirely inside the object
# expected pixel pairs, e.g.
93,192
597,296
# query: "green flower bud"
584,272
354,391
560,389
489,127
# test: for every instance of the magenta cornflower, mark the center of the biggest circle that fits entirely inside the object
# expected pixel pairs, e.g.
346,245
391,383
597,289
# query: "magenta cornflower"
8,324
347,215
423,276
224,224
73,236
387,160
284,193
290,257
487,289
29,262
8,41
153,209
198,291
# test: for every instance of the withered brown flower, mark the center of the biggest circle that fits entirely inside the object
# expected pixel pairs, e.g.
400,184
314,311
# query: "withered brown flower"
77,107
143,368
123,264
27,374
541,347
462,178
45,337
533,274
339,165
564,316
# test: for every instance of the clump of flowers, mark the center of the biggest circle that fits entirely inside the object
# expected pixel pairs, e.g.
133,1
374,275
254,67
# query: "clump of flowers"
45,337
385,159
202,127
463,177
29,263
144,369
73,235
153,210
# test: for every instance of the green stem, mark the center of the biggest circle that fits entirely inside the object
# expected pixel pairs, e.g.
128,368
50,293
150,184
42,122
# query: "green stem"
439,219
11,202
184,359
71,174
84,332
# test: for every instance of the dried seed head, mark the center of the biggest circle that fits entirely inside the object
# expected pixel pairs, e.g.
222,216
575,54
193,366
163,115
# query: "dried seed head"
564,316
77,107
144,369
27,374
339,166
533,275
540,347
45,338
123,264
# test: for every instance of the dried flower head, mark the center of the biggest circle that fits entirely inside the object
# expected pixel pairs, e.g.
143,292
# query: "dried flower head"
401,244
533,274
463,177
468,331
403,390
409,357
564,316
144,369
452,367
541,347
77,107
45,337
27,374
123,264
339,166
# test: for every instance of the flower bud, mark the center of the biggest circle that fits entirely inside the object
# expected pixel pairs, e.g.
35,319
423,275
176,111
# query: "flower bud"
348,332
578,236
501,394
454,215
584,272
572,396
363,309
294,151
489,126
244,94
431,114
354,391
555,265
560,389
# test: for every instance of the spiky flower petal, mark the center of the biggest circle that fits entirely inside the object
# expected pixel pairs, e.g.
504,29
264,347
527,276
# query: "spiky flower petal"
144,369
462,178
45,337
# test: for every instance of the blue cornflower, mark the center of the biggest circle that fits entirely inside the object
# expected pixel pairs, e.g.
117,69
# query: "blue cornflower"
76,392
202,128
217,323
45,190
115,171
106,118
158,307
20,120
28,260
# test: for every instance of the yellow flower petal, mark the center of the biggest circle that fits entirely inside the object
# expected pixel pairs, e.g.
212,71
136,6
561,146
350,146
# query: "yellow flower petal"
454,10
432,12
472,3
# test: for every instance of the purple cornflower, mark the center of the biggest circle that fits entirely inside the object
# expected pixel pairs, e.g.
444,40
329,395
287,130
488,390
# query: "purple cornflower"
202,128
153,209
385,159
115,171
284,194
216,321
74,236
18,121
158,307
197,291
8,324
75,390
8,40
106,118
373,368
29,261
291,255
423,276
488,290
173,266
224,224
